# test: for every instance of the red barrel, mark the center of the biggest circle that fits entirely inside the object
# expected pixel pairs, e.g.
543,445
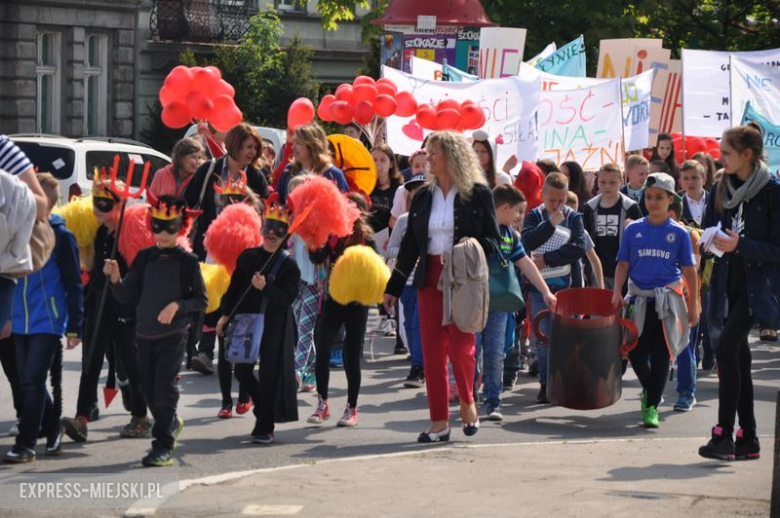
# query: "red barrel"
587,344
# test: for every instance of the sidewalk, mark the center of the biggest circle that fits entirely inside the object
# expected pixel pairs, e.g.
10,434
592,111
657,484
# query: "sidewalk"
622,477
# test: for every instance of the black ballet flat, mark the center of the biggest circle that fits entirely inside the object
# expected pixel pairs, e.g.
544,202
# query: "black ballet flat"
430,437
470,429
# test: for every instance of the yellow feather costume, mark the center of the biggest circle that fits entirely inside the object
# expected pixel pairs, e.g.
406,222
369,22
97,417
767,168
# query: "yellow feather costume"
359,275
217,280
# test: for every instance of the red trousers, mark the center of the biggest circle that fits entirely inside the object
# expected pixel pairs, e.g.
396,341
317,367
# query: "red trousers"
438,343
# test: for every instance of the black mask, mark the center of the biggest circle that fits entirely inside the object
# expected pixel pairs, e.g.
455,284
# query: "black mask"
104,205
170,226
274,227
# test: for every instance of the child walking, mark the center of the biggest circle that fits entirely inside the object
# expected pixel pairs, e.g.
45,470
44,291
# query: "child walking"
654,254
166,286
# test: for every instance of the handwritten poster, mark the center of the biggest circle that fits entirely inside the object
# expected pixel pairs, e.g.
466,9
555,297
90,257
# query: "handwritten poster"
757,84
771,136
568,60
509,104
705,89
547,52
500,51
629,56
666,107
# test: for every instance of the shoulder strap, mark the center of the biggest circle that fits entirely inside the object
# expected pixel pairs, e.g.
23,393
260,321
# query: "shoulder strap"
205,184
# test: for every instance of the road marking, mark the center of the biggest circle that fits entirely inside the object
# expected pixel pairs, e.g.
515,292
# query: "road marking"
271,510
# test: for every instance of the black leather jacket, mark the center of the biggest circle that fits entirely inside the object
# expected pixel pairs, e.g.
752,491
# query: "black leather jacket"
474,217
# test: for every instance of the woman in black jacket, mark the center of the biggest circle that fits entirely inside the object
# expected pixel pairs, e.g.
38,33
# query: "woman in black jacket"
243,145
746,203
455,205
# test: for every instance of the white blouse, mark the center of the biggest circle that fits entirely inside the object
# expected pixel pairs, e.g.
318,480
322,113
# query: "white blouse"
441,224
697,207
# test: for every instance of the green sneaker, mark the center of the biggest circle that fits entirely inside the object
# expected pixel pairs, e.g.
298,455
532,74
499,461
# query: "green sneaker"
158,458
137,427
178,426
650,417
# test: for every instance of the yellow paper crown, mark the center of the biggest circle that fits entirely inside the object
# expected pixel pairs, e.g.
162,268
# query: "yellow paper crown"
276,212
166,212
101,185
235,187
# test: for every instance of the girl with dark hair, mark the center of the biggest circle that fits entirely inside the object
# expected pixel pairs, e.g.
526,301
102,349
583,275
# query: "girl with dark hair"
487,160
577,183
664,151
746,203
388,179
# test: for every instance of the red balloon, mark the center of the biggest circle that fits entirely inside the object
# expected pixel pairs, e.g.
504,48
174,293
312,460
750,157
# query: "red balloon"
694,145
365,92
342,112
363,80
426,117
300,113
225,114
389,82
176,115
345,93
324,108
712,143
676,135
364,112
384,105
224,88
407,104
447,119
386,89
472,116
466,103
166,96
199,105
715,153
206,82
448,104
214,70
679,155
178,82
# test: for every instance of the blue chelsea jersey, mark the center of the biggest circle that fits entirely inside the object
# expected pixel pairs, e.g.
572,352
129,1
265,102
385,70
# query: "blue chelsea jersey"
655,253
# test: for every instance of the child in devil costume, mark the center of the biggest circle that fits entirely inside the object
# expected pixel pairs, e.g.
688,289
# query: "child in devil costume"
266,281
166,286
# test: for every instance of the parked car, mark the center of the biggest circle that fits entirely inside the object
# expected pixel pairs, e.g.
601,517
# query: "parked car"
73,160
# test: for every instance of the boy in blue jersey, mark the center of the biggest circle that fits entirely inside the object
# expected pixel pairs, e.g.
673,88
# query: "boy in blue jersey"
654,254
508,201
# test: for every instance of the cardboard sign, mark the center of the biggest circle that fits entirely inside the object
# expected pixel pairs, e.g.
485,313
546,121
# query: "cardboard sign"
500,51
629,56
757,84
568,60
705,89
666,108
509,104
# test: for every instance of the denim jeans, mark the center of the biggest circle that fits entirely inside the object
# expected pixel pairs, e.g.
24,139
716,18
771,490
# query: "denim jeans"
490,347
412,324
686,364
542,350
7,287
34,356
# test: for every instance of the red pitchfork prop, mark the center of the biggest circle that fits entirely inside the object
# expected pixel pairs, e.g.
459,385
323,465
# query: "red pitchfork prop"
124,194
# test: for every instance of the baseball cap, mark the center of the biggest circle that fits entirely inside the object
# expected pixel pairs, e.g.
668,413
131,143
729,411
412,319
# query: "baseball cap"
480,135
415,181
661,181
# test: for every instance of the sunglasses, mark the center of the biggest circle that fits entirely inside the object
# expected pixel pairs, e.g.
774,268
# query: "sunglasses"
104,205
171,226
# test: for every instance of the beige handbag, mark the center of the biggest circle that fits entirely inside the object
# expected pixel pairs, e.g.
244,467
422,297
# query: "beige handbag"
465,286
42,243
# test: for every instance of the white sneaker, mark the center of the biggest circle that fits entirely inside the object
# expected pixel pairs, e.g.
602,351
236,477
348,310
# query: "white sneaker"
14,431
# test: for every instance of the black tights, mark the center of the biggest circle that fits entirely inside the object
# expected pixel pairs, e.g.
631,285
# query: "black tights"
735,391
650,358
225,373
353,317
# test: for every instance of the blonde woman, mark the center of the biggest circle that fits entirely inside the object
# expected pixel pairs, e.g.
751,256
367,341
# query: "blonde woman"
455,204
311,156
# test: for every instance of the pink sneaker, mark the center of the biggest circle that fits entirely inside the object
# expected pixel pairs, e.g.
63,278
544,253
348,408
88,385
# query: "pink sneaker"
349,418
322,413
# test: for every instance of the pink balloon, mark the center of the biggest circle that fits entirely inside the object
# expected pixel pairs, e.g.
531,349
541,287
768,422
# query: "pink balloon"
301,112
472,116
225,113
166,96
426,117
364,112
365,92
324,108
178,82
363,80
345,93
450,104
341,112
384,105
224,88
214,70
390,84
199,105
407,104
447,119
384,88
176,115
206,81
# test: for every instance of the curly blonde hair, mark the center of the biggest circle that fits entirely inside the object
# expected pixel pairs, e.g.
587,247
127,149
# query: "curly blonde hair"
462,162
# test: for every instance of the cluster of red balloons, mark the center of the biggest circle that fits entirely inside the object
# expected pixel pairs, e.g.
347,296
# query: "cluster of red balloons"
449,114
365,98
198,93
694,145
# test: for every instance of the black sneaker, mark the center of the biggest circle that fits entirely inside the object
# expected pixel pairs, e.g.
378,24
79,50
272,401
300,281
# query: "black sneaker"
400,349
541,397
509,381
746,448
94,414
19,455
54,442
263,438
415,379
720,447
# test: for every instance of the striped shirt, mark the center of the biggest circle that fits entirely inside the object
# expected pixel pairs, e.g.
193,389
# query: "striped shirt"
12,159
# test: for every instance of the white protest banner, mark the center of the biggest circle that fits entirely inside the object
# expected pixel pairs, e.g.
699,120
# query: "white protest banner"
666,107
509,104
500,51
584,125
637,91
630,56
771,132
426,69
547,52
705,89
635,98
757,84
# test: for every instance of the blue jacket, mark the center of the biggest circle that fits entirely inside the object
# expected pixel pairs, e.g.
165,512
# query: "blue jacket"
759,247
537,229
50,301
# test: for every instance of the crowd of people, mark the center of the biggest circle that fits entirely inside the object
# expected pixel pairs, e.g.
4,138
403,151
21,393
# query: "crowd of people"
635,231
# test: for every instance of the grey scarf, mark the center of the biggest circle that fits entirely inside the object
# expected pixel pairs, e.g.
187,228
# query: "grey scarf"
750,188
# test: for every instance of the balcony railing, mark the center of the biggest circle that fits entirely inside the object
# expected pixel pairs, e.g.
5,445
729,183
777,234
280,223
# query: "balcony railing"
206,21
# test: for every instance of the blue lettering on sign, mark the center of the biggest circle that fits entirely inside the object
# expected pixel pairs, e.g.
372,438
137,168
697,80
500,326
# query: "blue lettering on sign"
761,83
637,114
